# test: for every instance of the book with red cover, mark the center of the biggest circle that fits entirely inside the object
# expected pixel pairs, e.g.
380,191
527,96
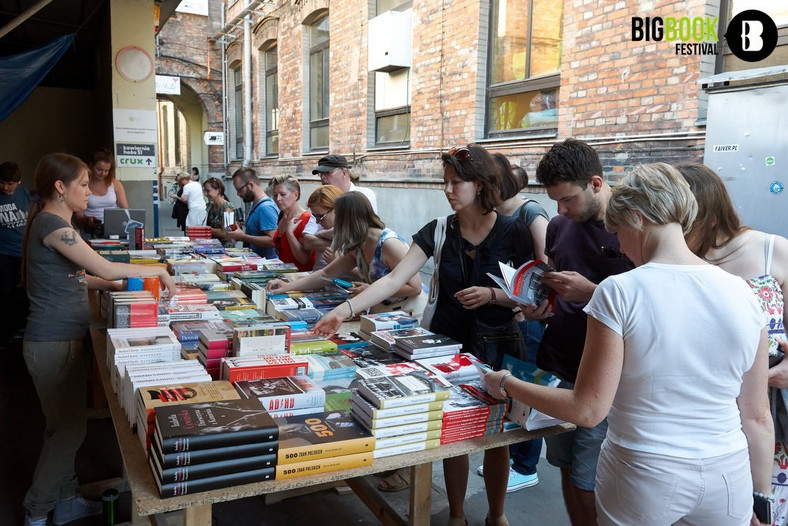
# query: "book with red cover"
266,366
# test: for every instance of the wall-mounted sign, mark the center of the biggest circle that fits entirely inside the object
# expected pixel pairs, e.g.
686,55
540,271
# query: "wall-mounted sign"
213,138
168,85
136,126
725,148
195,7
135,155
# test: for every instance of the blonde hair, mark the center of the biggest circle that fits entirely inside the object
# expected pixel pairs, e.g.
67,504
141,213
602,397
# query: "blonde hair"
658,192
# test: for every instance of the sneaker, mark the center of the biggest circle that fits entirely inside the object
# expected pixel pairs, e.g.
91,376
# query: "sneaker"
480,469
519,481
75,508
30,521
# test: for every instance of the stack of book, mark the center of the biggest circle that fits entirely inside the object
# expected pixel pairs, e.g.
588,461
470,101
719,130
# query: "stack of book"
215,341
207,246
388,338
311,343
309,316
203,281
381,321
188,295
186,265
286,395
171,313
198,232
187,334
260,340
151,397
471,413
456,368
408,409
212,445
131,309
142,375
329,366
133,346
320,442
418,347
266,366
247,317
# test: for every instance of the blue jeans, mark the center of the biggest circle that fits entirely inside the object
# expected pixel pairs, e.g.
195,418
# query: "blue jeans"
525,455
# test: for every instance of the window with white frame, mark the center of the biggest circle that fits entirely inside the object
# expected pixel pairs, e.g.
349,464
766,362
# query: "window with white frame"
524,66
392,94
318,81
268,61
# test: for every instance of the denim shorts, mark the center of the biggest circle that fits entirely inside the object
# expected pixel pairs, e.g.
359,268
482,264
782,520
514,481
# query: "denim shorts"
577,451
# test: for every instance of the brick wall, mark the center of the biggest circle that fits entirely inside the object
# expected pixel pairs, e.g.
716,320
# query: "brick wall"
634,101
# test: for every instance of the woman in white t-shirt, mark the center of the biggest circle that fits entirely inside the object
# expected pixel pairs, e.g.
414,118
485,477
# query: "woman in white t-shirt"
193,198
676,359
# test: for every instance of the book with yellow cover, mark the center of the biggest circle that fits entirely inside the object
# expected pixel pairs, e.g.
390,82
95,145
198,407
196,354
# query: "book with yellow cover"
321,435
322,465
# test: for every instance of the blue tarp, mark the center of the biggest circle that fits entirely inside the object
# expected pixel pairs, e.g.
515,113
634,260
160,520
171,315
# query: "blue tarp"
20,74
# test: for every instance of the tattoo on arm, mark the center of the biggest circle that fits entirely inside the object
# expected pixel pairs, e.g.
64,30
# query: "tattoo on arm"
69,237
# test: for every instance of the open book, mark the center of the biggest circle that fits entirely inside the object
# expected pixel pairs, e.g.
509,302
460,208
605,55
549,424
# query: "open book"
524,284
526,416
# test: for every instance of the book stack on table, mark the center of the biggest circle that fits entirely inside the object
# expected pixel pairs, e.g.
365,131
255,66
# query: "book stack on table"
336,374
212,445
381,321
470,413
320,442
286,395
311,343
457,368
169,313
134,346
387,338
235,369
131,309
417,347
215,342
161,395
143,375
404,412
262,339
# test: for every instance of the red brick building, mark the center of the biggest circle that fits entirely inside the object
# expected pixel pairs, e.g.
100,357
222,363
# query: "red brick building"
391,84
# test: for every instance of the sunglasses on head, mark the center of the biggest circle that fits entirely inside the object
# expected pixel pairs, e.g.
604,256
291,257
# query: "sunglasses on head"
319,217
462,153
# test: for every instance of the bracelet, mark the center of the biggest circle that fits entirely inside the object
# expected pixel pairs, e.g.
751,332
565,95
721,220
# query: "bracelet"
502,386
768,496
493,300
352,313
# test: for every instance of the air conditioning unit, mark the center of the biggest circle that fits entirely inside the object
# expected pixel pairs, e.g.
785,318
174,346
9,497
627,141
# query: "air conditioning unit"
390,37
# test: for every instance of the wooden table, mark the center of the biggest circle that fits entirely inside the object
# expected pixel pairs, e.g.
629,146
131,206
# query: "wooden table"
197,507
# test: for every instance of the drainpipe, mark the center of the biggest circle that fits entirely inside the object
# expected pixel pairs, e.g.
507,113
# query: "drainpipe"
226,154
247,65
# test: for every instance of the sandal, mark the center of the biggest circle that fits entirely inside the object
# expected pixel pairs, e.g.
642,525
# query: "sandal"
394,482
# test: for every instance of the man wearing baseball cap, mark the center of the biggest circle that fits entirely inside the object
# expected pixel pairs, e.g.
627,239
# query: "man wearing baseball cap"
333,169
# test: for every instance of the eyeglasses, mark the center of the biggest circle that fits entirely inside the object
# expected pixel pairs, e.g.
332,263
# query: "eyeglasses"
319,217
239,190
462,153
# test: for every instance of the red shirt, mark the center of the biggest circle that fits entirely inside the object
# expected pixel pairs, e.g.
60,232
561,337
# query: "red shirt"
283,245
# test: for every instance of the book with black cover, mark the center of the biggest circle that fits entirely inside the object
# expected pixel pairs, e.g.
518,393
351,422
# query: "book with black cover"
321,435
213,424
202,456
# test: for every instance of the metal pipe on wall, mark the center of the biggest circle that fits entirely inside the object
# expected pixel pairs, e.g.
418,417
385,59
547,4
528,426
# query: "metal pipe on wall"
226,153
247,71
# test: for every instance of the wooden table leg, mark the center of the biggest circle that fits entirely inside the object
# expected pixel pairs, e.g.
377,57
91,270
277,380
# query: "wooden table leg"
420,494
197,516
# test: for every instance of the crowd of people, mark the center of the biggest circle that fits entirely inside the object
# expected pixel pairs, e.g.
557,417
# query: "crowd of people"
666,329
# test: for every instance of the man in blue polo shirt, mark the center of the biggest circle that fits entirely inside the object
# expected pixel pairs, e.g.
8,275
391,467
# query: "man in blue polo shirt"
261,220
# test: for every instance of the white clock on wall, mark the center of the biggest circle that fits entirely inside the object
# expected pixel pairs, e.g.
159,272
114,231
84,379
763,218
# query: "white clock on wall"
134,64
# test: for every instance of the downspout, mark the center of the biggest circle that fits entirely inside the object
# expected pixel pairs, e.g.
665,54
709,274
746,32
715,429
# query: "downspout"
226,151
247,65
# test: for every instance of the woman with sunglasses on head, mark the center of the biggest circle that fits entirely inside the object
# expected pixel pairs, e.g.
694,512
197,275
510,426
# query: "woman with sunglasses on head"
58,269
294,222
361,241
321,204
469,308
217,206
